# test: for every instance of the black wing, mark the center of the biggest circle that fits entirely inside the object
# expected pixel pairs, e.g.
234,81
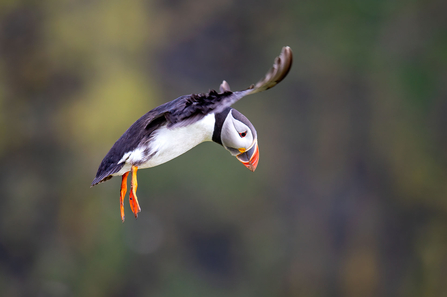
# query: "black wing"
139,132
191,108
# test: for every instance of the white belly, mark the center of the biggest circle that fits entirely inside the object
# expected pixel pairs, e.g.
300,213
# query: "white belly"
171,143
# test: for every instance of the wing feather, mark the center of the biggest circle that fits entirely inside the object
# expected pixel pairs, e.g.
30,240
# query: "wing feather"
276,74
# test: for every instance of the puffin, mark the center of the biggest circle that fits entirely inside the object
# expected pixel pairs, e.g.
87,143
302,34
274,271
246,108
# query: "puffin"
175,127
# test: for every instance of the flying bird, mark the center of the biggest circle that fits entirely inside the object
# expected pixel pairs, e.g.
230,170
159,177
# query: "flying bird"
175,127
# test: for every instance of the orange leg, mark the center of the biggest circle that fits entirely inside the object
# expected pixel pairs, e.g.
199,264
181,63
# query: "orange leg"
133,200
123,193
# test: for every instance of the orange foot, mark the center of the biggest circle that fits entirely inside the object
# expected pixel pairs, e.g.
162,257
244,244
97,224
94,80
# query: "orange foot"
133,200
123,193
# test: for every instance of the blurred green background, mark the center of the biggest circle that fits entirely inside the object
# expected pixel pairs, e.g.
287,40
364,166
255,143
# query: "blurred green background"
350,195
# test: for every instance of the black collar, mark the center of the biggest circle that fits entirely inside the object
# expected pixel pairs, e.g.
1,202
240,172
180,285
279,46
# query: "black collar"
220,119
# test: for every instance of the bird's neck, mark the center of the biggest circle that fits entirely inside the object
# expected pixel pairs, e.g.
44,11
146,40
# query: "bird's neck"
219,121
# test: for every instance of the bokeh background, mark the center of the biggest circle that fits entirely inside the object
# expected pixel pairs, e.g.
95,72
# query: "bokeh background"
350,195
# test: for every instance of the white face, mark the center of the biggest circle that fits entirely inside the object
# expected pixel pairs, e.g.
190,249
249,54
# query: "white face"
236,136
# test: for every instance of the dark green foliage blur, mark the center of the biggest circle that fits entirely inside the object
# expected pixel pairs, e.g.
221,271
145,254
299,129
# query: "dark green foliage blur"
350,195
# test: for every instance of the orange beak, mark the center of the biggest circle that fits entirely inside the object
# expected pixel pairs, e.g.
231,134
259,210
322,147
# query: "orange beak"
250,158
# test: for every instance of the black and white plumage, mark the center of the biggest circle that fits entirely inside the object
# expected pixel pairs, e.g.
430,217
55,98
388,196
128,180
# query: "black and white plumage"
175,127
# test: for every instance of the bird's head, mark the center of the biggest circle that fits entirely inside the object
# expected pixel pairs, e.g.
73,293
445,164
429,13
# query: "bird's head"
238,136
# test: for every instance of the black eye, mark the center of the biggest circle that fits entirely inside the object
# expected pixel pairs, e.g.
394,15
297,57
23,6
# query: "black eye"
243,134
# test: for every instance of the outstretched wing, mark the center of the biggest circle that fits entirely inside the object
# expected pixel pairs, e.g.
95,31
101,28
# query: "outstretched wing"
276,74
194,106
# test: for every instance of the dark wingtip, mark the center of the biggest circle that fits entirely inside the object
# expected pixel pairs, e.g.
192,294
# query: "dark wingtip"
94,183
100,179
105,170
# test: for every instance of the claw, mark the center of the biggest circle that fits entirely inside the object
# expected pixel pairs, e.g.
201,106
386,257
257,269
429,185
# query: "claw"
123,193
133,200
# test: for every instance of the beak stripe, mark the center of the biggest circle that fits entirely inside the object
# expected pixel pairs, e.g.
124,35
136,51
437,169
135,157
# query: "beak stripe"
250,158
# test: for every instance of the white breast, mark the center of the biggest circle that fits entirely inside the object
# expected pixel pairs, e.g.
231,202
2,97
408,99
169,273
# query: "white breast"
171,143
